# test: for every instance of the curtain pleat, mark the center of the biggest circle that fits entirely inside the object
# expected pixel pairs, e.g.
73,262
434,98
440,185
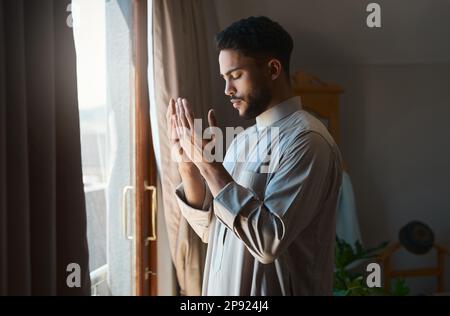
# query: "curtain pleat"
41,106
3,218
17,187
42,210
181,68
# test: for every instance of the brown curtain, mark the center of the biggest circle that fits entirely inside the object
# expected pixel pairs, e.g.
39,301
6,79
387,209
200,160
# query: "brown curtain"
181,68
42,210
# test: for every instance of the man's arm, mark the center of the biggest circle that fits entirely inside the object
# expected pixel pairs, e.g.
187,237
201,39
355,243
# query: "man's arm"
193,184
192,196
194,187
308,173
292,198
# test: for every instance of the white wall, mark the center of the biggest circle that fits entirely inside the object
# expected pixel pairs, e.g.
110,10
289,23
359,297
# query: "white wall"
394,110
335,32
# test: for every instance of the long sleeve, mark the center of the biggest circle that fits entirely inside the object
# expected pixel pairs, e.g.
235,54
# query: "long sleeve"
199,219
292,198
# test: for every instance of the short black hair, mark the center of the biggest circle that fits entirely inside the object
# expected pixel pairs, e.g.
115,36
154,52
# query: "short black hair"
258,36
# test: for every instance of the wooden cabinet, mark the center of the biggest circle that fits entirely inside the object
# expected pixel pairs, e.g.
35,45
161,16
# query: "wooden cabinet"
319,98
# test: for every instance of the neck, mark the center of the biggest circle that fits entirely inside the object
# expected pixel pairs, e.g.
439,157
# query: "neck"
281,93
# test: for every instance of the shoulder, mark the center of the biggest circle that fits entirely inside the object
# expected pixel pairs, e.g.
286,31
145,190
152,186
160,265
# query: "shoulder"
305,138
303,129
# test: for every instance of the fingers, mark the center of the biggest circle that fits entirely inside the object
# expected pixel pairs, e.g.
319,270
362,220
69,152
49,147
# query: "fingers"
212,123
179,117
175,129
212,118
183,119
189,114
170,110
180,112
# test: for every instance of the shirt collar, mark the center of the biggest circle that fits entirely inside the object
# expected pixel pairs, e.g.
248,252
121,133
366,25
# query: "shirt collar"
279,111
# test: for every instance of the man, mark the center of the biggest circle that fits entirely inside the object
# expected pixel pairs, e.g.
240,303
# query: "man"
268,212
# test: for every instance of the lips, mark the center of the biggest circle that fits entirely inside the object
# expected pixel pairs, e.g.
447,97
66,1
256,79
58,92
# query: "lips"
236,103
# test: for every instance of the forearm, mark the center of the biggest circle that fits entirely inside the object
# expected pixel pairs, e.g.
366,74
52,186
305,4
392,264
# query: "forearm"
193,183
215,175
261,225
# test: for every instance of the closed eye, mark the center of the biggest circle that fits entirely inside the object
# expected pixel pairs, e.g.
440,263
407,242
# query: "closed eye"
233,78
236,75
232,75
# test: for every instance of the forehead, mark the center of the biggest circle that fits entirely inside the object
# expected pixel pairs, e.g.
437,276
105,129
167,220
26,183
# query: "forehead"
231,59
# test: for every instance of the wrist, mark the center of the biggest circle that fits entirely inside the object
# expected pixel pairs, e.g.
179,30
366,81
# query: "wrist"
206,169
216,176
187,168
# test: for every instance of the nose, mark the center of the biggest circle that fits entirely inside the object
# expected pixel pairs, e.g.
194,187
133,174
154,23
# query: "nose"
230,90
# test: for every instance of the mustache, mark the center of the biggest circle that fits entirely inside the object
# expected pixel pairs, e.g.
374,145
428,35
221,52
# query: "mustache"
236,98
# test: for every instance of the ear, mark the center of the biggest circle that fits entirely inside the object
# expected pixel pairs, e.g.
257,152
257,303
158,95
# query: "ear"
275,68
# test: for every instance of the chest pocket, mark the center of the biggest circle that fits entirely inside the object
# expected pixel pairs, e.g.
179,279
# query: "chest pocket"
254,181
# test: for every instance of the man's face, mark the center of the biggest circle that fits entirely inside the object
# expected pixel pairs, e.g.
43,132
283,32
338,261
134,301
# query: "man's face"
246,83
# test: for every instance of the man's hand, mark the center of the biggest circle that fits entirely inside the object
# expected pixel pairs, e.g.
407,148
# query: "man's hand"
177,152
190,141
216,176
193,182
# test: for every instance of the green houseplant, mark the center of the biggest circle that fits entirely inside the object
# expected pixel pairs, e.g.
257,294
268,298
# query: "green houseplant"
349,280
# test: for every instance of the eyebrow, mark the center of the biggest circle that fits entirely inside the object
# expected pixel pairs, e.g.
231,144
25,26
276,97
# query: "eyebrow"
230,71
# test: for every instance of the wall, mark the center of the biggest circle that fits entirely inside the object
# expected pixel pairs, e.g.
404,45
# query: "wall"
394,109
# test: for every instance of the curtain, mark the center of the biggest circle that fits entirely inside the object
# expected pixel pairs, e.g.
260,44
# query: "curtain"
42,208
181,68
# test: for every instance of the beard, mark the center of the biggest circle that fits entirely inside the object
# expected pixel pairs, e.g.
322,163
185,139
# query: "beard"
257,101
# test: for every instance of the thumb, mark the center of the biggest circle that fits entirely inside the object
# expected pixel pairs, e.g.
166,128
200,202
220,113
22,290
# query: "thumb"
212,118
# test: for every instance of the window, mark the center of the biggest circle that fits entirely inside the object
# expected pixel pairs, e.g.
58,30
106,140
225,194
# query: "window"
106,94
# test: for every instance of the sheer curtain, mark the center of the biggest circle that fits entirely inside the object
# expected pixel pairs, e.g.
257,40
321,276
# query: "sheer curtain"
180,68
104,45
42,205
